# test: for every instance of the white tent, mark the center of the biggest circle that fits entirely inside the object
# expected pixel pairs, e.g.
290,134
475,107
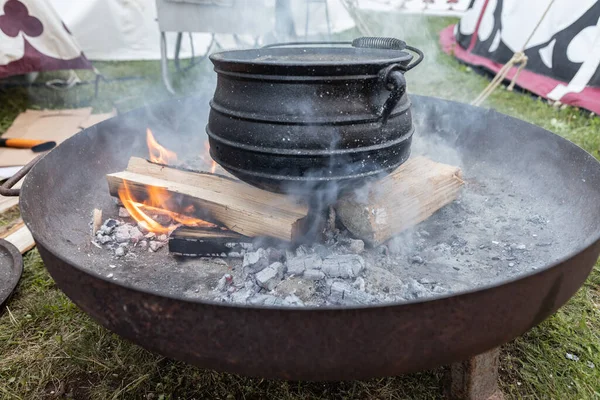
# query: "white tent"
128,30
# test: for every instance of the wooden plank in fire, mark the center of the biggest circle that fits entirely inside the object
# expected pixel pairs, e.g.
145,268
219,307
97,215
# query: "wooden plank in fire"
238,206
406,197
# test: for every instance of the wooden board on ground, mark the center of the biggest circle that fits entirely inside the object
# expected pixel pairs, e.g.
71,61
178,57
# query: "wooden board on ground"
18,234
407,196
239,207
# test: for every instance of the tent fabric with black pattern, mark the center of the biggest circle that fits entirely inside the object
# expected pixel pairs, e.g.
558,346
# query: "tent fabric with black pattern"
33,38
563,53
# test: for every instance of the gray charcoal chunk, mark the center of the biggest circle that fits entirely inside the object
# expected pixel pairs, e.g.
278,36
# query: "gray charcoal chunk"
270,276
356,246
359,284
155,245
108,227
417,260
302,251
120,251
241,296
103,239
297,265
122,234
313,274
224,283
255,261
343,266
135,234
266,300
123,213
343,293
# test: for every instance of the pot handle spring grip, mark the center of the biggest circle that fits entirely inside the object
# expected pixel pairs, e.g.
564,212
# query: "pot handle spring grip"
388,43
395,82
6,188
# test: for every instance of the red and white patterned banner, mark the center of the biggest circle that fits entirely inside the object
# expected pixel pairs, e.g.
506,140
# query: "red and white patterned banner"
33,38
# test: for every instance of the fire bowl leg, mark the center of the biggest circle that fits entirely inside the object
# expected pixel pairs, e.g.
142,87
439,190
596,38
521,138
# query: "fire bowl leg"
476,378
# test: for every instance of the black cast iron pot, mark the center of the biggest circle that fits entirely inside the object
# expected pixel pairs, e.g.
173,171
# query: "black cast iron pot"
292,118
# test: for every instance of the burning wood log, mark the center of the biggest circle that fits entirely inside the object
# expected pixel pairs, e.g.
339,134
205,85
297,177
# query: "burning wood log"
409,195
239,207
207,242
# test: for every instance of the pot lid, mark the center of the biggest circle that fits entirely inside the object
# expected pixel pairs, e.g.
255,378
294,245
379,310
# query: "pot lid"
313,56
362,56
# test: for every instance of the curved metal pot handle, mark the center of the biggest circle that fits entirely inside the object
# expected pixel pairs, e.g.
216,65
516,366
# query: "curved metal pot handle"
6,187
367,42
417,61
395,82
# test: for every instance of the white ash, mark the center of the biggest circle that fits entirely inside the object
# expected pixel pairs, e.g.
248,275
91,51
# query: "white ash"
477,240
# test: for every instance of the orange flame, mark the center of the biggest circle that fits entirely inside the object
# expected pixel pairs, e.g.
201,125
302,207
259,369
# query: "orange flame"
159,202
158,153
213,165
158,199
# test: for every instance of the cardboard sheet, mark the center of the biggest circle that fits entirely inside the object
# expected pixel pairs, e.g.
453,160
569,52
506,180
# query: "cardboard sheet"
56,125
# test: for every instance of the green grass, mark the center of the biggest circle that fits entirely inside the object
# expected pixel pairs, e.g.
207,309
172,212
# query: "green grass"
50,349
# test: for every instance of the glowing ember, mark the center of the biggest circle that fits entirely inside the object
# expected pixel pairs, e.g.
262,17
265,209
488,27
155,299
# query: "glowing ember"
158,153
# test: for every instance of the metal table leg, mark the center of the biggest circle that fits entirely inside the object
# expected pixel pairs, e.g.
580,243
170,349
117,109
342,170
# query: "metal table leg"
164,63
177,50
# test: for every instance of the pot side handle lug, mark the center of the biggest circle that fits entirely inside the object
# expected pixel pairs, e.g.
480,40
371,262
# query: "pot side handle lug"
395,82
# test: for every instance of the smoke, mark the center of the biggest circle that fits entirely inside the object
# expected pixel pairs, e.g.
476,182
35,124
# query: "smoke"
318,189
